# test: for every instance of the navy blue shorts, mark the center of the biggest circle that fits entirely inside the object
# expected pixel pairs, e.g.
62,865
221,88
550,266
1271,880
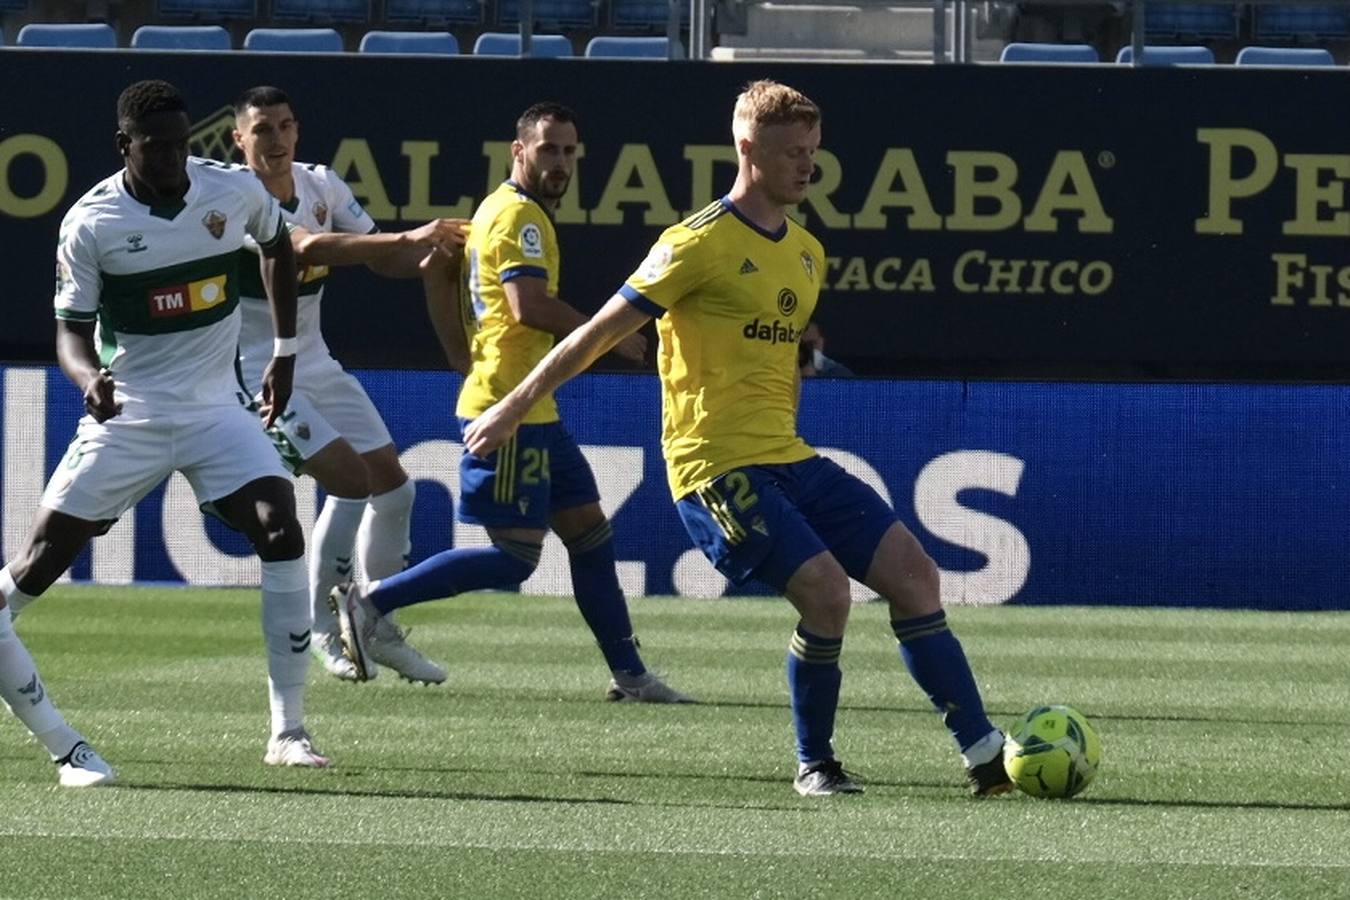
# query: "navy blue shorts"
765,521
540,470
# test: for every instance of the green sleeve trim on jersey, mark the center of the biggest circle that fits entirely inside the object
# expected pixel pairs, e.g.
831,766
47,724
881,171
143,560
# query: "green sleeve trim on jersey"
76,315
250,276
281,232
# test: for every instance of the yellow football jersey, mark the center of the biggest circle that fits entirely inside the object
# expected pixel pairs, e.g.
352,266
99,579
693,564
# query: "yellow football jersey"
512,236
732,301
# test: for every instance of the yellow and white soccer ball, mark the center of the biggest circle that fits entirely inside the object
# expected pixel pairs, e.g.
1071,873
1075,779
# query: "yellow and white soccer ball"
1052,752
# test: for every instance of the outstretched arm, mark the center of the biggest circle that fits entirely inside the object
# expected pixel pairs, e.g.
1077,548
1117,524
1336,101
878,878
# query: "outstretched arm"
616,320
535,308
393,254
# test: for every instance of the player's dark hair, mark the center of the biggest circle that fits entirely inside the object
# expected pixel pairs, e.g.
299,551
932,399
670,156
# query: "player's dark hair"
547,110
261,96
145,98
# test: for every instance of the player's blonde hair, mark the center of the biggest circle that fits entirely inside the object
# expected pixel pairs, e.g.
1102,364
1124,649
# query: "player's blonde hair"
770,103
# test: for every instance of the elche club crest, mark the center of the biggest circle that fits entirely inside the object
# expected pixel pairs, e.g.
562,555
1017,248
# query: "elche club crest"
215,223
320,211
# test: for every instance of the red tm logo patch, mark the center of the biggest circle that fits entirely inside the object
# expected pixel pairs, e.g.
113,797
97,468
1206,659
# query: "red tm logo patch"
170,301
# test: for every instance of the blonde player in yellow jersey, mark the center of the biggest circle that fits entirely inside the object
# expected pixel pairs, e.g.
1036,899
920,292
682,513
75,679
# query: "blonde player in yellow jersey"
539,480
733,288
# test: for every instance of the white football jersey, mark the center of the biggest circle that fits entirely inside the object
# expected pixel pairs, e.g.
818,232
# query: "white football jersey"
163,284
322,203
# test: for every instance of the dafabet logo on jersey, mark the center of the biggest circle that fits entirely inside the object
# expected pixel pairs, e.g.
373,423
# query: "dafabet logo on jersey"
182,299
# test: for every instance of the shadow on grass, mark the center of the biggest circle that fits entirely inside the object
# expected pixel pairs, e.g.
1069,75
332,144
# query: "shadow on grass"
1008,714
791,805
382,793
1213,804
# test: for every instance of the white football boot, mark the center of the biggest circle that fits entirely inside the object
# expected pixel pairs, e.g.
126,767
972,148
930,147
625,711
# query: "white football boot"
83,767
327,649
294,748
646,688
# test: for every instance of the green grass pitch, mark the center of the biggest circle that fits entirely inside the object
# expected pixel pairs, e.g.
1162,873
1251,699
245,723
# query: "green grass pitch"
1225,772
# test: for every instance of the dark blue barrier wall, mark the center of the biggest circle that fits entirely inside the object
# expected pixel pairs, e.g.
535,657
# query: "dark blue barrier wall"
1080,222
1027,493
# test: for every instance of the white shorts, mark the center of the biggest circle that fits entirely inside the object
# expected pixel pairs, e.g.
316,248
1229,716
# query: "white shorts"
109,467
325,407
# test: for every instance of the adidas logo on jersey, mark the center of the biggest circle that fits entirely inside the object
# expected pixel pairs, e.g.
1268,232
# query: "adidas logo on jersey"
748,267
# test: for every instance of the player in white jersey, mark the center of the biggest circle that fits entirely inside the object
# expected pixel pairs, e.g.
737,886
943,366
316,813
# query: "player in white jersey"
147,327
332,430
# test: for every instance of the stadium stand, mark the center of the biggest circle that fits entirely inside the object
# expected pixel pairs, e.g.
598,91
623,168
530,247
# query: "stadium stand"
1025,52
294,40
493,43
1286,22
209,9
463,12
1285,56
1206,20
88,36
1168,55
436,42
325,10
789,30
559,14
644,14
181,37
623,47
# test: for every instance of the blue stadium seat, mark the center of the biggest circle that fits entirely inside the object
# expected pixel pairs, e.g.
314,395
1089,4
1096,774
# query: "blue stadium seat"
328,10
492,43
294,40
1284,56
644,14
1214,20
1294,22
469,12
440,42
1021,52
615,47
550,13
93,35
181,37
209,9
1165,55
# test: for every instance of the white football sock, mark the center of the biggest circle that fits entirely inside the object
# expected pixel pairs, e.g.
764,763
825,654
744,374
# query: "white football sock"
15,599
983,750
26,695
384,540
286,629
332,546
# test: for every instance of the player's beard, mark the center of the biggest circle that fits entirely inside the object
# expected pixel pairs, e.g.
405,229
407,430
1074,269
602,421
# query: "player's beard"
551,186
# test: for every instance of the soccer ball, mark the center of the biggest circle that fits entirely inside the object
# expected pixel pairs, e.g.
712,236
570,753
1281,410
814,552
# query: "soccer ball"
1052,752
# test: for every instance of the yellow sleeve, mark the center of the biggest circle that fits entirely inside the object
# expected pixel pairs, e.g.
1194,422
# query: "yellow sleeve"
525,244
675,266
